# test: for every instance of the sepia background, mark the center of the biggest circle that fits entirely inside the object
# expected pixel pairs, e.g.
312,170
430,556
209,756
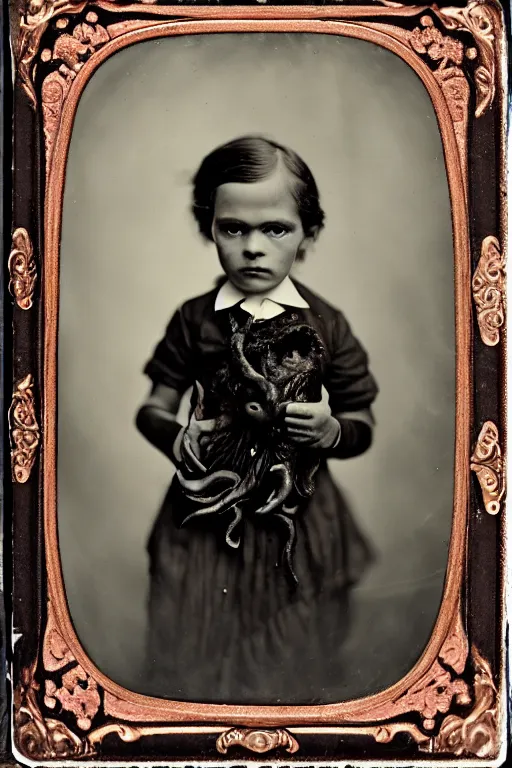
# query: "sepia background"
362,120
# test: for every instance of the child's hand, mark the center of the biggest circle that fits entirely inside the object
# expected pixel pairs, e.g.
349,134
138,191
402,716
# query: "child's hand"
312,424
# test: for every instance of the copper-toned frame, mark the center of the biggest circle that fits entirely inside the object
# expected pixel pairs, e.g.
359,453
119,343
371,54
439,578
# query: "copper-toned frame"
451,702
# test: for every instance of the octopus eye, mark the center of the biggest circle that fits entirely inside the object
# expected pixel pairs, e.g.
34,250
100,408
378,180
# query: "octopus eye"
255,410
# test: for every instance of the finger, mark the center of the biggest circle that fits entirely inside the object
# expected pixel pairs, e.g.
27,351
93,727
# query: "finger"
299,432
303,410
301,439
325,395
296,421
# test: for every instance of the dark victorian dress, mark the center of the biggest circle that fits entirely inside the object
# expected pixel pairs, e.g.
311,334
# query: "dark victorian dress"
228,625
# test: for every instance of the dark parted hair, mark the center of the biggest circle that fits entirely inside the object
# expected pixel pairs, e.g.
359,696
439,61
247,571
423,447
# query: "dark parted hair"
249,159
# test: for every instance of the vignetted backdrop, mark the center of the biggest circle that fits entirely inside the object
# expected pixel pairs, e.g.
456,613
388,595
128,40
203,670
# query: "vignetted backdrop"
363,121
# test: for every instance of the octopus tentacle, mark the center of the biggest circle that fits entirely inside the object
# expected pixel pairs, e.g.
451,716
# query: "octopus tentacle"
231,527
305,479
288,549
189,457
195,487
277,498
237,494
268,388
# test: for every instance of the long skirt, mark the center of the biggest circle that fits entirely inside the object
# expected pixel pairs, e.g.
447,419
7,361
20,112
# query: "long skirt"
231,626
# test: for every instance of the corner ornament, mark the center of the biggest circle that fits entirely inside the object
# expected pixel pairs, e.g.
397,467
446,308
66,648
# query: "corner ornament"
34,22
487,464
488,291
427,40
76,42
75,692
22,269
37,737
477,733
477,18
24,430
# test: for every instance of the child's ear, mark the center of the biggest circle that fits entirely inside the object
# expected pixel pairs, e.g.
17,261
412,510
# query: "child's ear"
313,233
307,243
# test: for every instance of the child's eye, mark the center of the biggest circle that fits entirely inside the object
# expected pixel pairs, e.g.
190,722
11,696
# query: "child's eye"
275,230
233,229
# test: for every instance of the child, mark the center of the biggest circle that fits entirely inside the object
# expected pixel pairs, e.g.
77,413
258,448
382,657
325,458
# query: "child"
254,549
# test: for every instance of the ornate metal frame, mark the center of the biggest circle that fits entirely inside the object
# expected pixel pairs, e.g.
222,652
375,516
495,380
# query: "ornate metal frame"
451,703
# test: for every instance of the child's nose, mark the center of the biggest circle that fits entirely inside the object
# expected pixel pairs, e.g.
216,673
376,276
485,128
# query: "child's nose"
254,245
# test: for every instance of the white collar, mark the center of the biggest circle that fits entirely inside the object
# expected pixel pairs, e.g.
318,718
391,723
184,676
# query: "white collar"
261,306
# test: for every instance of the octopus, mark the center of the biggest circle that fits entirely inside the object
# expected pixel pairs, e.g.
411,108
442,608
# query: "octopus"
241,462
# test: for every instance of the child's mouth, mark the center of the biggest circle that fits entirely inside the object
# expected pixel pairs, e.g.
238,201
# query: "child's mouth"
255,271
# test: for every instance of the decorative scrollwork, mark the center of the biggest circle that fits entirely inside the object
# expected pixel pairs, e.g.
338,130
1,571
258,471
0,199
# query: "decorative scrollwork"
56,653
71,50
434,693
488,290
39,738
477,733
487,464
24,429
474,733
77,692
428,40
441,685
33,24
257,740
478,19
22,269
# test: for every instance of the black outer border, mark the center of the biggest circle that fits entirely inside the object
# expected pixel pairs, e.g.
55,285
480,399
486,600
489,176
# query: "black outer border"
5,228
483,607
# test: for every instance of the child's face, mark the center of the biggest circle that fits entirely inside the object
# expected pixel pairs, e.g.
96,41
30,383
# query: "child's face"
258,232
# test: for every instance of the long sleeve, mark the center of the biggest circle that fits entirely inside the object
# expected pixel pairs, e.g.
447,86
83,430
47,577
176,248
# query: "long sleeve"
173,362
348,380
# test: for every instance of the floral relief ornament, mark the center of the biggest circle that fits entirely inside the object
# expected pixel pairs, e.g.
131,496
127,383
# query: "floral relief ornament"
24,430
474,733
76,691
33,24
487,464
428,40
478,18
67,684
489,291
22,269
70,51
477,733
35,18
